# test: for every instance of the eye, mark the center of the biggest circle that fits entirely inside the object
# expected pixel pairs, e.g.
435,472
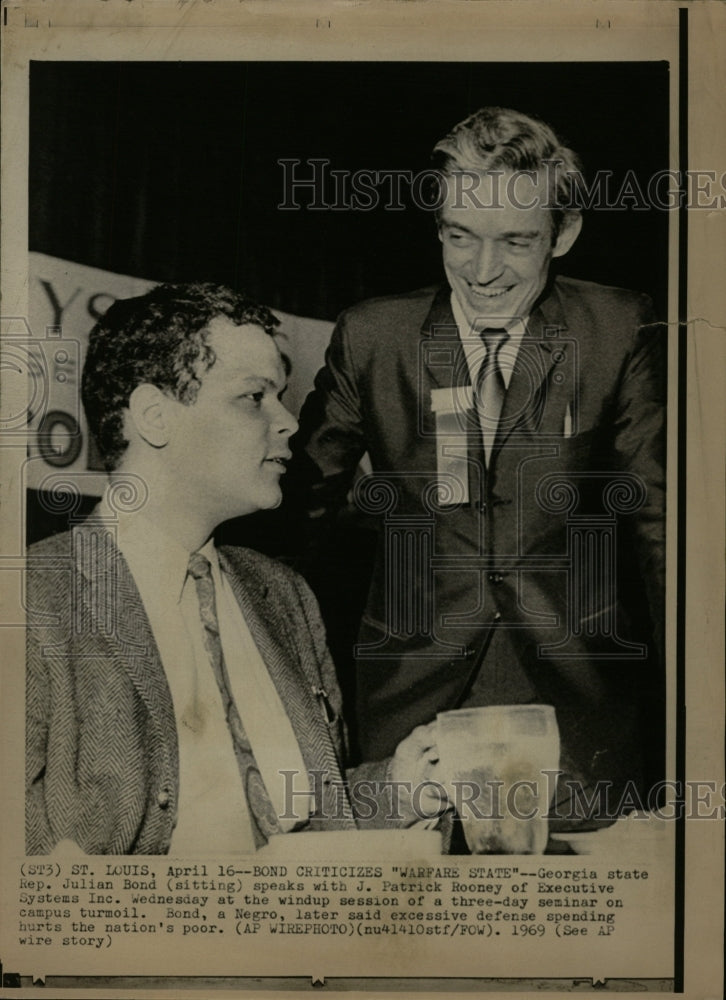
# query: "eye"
256,397
459,239
519,244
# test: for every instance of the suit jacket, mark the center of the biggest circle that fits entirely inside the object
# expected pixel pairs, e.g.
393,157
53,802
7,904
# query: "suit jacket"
101,745
546,583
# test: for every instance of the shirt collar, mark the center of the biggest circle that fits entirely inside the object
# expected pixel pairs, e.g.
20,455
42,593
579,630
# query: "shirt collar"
209,551
472,343
515,329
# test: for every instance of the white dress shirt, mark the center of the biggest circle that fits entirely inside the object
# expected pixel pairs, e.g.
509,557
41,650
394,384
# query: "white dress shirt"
475,350
213,816
475,353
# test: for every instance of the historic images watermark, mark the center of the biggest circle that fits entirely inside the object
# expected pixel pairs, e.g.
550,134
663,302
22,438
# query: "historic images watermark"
314,185
394,801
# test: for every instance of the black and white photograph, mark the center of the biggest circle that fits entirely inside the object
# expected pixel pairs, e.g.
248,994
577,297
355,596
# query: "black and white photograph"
350,453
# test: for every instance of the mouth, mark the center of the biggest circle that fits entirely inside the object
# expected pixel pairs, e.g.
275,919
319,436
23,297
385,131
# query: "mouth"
278,462
489,293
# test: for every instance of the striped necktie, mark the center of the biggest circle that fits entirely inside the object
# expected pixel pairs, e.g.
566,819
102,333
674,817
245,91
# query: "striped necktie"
262,813
489,389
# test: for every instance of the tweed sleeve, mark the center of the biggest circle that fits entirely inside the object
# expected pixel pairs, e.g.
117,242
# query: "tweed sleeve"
38,834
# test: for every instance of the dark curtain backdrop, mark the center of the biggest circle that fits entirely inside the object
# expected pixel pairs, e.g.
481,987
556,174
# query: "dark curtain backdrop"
169,170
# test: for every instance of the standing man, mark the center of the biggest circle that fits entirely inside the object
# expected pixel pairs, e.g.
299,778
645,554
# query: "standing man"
181,697
515,425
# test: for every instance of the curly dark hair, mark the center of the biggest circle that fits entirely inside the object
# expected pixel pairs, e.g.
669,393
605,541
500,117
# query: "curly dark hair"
159,338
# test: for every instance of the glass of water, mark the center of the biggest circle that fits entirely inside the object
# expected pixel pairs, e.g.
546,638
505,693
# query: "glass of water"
499,764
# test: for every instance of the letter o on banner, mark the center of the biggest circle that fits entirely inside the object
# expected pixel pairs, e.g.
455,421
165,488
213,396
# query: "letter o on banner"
52,421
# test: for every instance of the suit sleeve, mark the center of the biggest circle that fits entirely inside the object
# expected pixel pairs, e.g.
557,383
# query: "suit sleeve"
331,439
636,446
639,447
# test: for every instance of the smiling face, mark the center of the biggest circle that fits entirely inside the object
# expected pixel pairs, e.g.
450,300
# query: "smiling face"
497,238
228,449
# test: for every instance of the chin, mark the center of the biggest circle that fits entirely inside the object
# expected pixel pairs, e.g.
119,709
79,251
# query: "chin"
269,503
499,307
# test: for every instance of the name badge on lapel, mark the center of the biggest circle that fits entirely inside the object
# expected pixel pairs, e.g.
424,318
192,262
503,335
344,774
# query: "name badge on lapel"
452,407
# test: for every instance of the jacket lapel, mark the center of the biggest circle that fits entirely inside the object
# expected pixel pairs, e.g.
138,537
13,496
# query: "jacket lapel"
296,690
266,627
111,602
443,354
541,351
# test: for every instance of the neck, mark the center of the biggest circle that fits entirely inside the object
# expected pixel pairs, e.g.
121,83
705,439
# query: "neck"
170,508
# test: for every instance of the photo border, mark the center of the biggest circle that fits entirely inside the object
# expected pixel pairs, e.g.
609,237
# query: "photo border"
684,356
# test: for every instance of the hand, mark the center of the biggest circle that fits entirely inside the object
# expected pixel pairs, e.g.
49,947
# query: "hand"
415,765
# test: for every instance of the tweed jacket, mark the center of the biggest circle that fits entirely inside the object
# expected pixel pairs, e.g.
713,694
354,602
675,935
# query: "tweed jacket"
494,607
101,745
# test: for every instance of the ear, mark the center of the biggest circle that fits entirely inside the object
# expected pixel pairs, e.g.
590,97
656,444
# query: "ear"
148,412
569,231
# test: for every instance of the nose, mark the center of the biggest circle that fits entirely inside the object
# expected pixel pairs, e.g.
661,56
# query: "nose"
284,423
487,264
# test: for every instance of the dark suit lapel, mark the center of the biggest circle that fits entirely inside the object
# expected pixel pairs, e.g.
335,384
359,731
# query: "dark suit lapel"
541,351
443,354
445,362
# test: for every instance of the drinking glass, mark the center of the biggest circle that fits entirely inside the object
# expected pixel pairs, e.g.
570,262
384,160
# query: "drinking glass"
499,766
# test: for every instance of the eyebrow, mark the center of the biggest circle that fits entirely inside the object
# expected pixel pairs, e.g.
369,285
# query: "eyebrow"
251,380
521,234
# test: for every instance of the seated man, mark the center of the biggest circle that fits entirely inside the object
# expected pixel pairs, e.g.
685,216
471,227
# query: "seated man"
181,697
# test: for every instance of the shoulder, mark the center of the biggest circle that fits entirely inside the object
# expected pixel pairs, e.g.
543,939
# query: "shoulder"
410,308
48,579
269,583
603,301
370,332
51,547
256,568
49,556
612,327
57,566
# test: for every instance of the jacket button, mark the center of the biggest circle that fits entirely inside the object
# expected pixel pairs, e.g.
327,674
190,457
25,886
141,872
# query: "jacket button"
162,799
496,578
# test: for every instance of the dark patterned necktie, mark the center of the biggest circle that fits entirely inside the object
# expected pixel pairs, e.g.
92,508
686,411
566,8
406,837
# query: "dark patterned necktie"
262,813
489,389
